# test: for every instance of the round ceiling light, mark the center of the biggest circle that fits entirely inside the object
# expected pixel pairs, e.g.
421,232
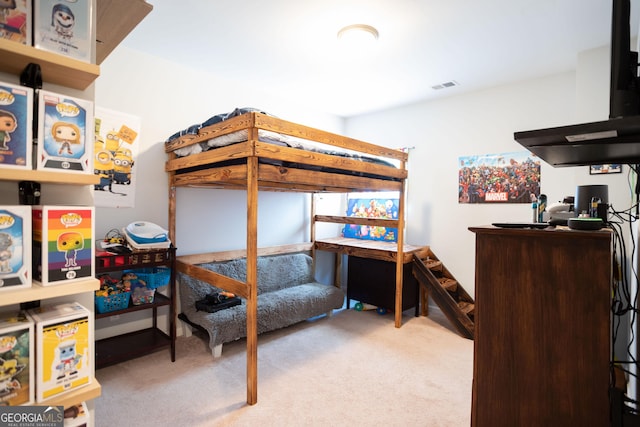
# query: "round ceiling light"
357,33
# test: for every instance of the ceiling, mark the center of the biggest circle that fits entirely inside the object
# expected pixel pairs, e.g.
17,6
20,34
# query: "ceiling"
290,47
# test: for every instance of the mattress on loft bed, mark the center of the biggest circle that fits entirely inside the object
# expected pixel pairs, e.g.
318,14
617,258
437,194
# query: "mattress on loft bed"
264,136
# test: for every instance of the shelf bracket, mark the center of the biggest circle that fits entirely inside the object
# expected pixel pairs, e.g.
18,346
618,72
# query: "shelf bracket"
31,76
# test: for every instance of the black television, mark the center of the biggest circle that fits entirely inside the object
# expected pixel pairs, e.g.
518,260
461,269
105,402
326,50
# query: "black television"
613,141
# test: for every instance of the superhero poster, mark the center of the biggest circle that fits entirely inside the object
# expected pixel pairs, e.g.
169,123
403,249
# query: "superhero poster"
379,205
499,178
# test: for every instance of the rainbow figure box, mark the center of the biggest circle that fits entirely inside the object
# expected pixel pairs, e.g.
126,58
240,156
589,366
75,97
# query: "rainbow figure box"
17,371
63,244
15,21
65,133
64,338
16,118
64,27
15,247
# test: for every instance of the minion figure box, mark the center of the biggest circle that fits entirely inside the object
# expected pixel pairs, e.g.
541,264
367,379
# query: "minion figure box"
63,244
65,133
64,27
16,117
15,247
64,335
17,371
15,21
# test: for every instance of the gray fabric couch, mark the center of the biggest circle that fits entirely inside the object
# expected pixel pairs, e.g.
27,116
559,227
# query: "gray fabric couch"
287,294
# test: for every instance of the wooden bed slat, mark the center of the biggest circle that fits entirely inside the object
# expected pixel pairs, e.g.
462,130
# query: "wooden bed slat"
214,279
274,124
228,126
230,152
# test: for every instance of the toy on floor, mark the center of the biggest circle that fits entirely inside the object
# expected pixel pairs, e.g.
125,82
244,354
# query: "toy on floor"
366,307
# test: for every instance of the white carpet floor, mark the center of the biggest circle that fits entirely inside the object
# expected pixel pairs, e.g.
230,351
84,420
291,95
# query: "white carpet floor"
352,369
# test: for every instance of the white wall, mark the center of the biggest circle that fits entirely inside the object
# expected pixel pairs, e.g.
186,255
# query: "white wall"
483,123
168,97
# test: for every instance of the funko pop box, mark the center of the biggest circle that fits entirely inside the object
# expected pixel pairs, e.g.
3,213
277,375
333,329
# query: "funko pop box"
63,250
64,357
15,21
65,133
64,27
15,247
16,359
16,120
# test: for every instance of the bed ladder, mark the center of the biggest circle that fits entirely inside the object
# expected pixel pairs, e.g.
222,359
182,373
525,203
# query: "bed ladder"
453,300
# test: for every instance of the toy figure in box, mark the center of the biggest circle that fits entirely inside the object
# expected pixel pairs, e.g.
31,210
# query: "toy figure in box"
15,257
64,27
70,244
67,359
6,252
8,124
16,367
63,20
62,243
64,334
15,20
63,141
16,112
65,134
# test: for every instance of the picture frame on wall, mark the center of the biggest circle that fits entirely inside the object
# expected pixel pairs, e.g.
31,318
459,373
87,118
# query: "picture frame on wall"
605,169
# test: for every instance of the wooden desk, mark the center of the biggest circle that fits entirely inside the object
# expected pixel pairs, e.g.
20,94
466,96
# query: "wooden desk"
541,348
380,251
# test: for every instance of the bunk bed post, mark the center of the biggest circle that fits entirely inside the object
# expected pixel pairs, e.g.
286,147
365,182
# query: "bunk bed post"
252,279
312,231
400,254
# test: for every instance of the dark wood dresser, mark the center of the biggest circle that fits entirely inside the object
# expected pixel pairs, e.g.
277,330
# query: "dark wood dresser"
542,347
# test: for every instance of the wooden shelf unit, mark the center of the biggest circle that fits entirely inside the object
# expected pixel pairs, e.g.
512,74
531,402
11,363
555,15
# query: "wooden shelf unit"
48,177
119,348
38,292
57,69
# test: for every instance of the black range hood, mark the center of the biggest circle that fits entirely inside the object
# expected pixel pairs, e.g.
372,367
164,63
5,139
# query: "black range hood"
613,141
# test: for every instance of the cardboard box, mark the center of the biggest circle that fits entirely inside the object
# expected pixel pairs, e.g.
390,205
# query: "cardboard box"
63,250
15,247
64,335
64,27
15,21
65,133
16,124
16,359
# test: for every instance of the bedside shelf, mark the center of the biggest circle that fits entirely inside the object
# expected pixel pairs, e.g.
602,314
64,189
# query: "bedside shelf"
55,68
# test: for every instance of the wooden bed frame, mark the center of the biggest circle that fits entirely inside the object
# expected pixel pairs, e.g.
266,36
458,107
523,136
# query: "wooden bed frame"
247,171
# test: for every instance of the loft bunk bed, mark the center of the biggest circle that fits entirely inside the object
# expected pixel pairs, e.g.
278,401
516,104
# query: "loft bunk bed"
254,151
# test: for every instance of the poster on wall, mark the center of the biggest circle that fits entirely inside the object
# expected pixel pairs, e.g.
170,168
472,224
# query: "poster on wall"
499,178
117,138
381,205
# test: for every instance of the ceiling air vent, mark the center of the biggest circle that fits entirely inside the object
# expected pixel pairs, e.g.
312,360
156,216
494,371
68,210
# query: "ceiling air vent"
445,85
